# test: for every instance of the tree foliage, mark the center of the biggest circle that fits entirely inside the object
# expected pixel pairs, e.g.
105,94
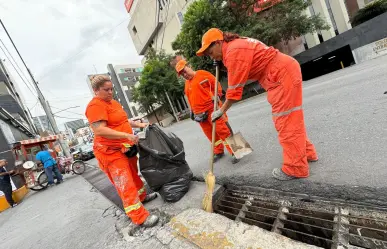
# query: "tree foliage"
276,22
156,79
370,11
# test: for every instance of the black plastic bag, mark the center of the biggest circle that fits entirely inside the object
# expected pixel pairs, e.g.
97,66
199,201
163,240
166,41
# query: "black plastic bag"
163,164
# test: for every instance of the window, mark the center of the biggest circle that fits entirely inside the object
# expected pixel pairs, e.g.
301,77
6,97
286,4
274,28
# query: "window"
180,17
134,30
332,17
162,4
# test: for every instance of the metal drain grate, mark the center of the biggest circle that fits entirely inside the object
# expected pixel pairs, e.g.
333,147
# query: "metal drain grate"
312,220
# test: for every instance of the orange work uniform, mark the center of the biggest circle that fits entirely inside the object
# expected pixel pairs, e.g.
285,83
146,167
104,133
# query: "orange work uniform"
121,170
280,75
200,91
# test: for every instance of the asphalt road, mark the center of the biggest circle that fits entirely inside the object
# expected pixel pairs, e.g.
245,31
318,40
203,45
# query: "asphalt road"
346,119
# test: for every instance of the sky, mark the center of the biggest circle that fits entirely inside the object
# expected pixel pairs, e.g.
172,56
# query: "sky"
62,41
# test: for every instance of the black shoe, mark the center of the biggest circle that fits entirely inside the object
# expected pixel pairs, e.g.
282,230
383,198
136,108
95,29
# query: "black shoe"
150,197
59,182
151,221
218,156
14,205
234,160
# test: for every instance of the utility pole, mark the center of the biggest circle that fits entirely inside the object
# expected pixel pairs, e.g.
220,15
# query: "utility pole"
173,109
42,100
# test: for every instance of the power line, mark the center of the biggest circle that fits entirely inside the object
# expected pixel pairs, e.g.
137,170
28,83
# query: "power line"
17,65
67,111
18,72
68,118
79,52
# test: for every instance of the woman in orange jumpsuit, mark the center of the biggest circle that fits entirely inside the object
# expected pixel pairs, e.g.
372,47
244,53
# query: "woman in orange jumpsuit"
200,91
113,137
280,75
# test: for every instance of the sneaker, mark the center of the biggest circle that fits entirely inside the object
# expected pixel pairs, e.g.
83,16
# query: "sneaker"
280,175
14,205
218,156
150,197
150,221
234,160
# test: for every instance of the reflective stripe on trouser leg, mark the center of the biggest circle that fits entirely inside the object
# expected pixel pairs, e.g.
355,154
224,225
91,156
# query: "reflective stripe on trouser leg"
124,175
279,114
131,208
292,137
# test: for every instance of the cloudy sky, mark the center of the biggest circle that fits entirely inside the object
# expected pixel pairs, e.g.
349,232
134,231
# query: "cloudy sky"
62,41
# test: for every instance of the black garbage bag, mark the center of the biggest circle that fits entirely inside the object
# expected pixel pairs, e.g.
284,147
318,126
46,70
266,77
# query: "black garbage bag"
163,164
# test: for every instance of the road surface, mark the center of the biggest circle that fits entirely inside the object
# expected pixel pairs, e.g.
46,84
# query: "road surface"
346,119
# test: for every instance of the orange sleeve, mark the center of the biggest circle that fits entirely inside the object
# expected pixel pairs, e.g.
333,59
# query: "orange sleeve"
238,65
96,112
211,78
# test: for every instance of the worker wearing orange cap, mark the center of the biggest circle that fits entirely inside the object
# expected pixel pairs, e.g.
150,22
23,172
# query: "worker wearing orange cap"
200,91
280,75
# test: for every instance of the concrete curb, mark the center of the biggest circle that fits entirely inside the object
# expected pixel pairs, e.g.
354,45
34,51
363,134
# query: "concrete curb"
213,231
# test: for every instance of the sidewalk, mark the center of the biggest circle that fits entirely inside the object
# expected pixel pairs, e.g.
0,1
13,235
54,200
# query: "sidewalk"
73,215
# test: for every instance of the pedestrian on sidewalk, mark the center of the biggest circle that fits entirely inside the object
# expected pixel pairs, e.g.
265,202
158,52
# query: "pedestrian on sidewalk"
5,183
280,75
115,148
50,166
200,91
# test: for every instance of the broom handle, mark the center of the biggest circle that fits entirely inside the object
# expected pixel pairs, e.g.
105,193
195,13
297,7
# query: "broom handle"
214,124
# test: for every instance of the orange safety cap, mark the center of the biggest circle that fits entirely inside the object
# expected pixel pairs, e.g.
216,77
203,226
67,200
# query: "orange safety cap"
180,66
208,38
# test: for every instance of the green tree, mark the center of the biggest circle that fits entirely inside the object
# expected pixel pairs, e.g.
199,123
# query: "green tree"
157,79
277,22
370,11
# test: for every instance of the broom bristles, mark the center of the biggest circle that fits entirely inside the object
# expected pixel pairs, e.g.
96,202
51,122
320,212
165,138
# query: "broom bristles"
207,200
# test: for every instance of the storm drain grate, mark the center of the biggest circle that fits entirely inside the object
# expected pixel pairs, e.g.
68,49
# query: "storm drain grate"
312,220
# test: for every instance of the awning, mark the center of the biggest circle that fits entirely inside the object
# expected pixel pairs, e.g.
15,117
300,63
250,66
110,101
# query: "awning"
42,139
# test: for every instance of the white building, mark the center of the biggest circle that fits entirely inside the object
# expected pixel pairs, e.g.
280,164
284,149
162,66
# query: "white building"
157,23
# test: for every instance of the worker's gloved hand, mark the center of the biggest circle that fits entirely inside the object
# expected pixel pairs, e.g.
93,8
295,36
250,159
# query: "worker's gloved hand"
216,115
192,115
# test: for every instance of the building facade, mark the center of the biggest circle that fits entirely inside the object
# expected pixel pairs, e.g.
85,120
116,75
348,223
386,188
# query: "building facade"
160,28
74,125
159,32
42,124
11,99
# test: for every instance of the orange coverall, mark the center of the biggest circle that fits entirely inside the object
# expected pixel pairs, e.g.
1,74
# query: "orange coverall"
200,91
280,75
121,170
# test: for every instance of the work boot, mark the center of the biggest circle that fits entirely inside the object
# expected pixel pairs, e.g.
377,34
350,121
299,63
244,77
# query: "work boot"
149,197
218,156
150,221
234,160
280,175
313,160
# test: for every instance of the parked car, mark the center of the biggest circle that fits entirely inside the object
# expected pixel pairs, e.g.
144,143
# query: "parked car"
87,152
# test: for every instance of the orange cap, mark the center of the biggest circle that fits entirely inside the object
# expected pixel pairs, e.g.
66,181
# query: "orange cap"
180,66
208,38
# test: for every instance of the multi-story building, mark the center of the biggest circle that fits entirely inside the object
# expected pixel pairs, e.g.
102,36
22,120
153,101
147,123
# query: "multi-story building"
161,25
42,124
74,125
11,98
159,32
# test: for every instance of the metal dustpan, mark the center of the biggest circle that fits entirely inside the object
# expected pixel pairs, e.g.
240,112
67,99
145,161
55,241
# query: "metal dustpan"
239,146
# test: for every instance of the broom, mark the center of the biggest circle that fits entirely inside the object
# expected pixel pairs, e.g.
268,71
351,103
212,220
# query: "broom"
210,178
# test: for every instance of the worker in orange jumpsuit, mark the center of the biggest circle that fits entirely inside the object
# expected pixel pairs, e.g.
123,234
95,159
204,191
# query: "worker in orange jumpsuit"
200,91
280,75
115,150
